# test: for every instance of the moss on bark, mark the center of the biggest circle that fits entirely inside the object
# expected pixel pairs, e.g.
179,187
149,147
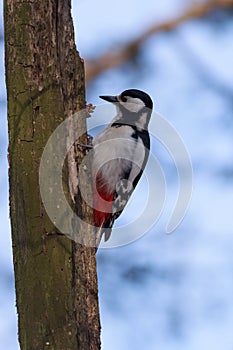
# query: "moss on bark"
45,84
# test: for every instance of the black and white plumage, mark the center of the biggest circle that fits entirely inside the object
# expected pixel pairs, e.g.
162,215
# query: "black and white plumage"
120,153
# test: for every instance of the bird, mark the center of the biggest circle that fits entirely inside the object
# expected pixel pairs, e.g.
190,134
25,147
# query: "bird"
120,154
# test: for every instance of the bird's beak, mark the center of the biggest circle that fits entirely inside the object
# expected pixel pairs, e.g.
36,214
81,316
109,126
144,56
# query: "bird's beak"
111,99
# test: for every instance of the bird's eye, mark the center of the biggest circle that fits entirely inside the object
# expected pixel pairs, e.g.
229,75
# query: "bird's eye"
123,99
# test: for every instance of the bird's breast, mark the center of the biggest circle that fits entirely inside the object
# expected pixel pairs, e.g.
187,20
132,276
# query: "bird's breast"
113,154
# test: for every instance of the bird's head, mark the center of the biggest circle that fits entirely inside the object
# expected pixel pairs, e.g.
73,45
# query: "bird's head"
132,100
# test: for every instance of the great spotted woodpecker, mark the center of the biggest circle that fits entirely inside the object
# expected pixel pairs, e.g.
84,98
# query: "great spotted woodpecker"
120,153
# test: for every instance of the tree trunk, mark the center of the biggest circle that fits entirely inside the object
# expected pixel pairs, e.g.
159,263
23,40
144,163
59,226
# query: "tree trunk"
56,284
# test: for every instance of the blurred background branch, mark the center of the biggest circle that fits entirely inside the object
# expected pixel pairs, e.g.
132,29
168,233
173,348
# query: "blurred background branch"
113,58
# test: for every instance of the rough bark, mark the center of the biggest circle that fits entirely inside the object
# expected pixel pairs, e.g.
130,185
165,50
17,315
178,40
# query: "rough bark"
56,284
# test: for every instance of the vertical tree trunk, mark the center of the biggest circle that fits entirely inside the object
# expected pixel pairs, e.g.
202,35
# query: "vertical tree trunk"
56,285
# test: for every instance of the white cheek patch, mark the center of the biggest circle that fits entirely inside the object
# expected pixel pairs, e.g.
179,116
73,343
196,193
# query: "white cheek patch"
133,104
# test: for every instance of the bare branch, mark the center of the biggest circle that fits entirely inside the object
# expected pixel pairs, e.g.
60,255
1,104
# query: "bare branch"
114,59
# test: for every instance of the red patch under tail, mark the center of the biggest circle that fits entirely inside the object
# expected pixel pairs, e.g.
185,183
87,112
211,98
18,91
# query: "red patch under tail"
102,209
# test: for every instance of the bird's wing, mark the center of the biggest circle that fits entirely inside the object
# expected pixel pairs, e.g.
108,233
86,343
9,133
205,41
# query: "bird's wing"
127,185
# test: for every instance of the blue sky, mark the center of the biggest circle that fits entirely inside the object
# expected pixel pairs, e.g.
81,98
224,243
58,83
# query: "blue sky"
163,291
